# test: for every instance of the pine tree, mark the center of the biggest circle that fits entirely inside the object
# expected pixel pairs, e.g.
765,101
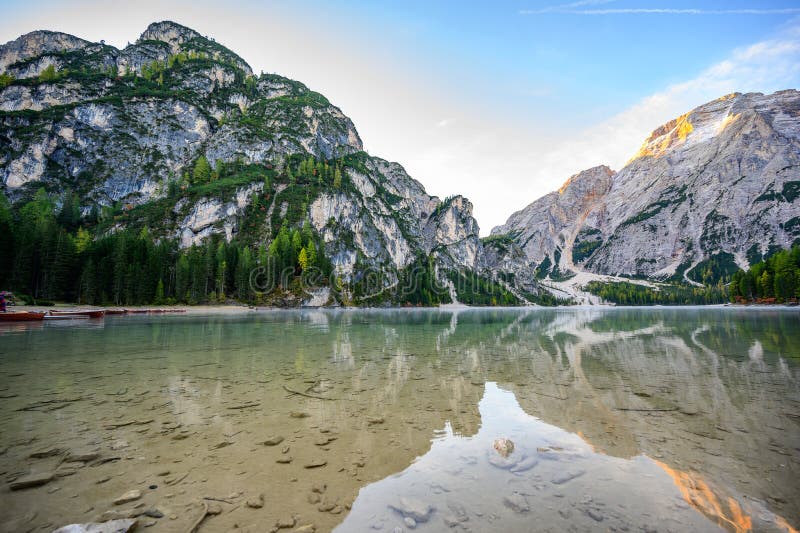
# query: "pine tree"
159,298
311,252
48,74
302,259
337,179
202,170
297,244
243,270
7,249
182,278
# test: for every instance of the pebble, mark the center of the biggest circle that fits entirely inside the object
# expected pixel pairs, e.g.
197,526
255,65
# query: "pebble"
307,528
286,522
525,465
325,440
324,507
214,509
594,515
410,522
563,477
272,441
285,460
47,452
117,526
416,509
256,502
131,495
313,498
31,480
504,446
517,503
82,456
299,414
315,463
65,470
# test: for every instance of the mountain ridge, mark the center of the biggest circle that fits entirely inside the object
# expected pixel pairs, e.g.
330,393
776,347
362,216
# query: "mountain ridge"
705,187
174,136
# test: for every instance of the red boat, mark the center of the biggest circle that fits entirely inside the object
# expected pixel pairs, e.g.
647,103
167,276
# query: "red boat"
100,313
21,316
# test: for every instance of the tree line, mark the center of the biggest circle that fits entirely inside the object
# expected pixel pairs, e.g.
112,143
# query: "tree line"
776,279
625,293
49,254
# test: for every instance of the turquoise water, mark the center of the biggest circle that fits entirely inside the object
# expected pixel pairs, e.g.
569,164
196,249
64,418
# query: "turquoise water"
626,419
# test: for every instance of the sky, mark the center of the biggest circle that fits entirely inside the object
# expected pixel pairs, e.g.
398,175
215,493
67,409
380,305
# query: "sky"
500,101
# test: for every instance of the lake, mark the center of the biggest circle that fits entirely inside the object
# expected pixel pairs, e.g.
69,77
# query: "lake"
656,419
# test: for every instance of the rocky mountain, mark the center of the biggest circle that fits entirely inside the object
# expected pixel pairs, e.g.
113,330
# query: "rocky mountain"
708,192
176,135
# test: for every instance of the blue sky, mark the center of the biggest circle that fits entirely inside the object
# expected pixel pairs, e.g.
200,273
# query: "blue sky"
590,63
500,101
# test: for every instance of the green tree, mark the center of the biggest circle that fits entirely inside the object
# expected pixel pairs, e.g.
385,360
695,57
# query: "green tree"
311,253
6,80
202,170
48,74
302,259
159,298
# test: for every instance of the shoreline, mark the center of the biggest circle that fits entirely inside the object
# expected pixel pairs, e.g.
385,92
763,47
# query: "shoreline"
231,309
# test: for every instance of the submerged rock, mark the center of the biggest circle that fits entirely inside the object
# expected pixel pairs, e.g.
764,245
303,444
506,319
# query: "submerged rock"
112,526
82,456
286,522
131,495
256,502
413,508
31,480
48,452
504,446
564,477
517,503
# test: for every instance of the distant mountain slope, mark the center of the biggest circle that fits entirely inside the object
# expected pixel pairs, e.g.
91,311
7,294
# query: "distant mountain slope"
710,191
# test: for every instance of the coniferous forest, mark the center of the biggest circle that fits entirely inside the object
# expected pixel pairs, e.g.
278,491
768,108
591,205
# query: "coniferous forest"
774,280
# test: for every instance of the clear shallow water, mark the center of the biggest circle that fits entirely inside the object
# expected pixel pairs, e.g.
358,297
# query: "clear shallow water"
654,419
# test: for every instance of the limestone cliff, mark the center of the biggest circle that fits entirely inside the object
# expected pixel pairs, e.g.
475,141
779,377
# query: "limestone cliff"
708,192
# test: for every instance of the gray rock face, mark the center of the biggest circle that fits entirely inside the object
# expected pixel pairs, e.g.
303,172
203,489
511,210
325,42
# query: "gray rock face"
390,219
119,142
37,43
124,127
720,183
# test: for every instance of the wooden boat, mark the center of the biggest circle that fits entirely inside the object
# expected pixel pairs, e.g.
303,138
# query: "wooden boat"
90,313
21,316
66,317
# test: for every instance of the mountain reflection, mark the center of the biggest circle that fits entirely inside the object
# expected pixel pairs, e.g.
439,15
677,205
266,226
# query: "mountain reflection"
622,418
689,388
